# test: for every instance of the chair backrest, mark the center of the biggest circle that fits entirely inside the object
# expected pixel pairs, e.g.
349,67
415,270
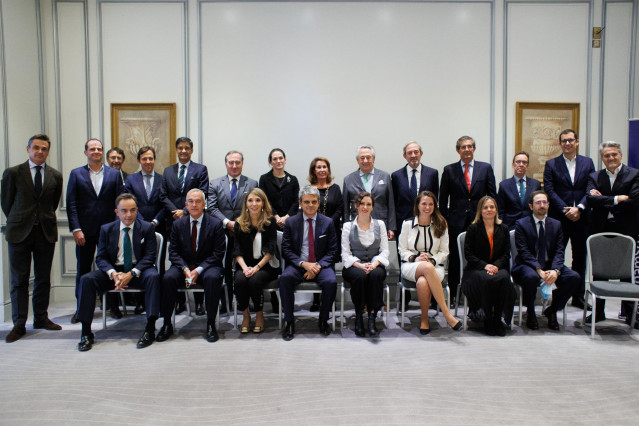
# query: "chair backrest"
393,258
280,235
159,240
611,256
513,249
461,239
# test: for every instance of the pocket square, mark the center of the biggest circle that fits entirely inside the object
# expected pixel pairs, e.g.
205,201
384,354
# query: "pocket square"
142,240
381,182
322,236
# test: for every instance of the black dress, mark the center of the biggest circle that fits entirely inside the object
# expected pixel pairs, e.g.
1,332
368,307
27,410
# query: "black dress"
282,194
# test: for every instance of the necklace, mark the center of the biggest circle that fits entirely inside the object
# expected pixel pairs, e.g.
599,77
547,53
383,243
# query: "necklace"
324,204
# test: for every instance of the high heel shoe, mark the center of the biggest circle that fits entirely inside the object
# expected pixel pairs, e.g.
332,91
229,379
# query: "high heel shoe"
424,331
457,326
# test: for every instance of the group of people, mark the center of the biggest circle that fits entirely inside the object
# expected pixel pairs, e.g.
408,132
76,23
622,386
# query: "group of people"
237,218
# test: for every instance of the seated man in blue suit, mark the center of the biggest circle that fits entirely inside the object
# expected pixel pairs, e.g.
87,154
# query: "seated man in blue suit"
540,260
514,192
309,248
196,253
127,251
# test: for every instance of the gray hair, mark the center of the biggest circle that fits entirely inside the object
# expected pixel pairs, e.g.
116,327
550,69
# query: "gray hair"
609,144
196,191
462,139
309,190
365,147
413,142
233,152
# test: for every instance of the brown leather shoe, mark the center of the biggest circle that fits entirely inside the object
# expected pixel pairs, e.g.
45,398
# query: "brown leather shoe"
16,333
47,324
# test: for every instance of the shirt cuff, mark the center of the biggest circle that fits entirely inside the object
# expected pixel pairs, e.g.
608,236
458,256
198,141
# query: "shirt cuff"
616,200
78,229
581,206
199,270
137,272
109,272
155,221
225,221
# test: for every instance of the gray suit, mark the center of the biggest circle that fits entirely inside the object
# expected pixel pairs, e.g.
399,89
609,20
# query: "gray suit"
382,192
219,197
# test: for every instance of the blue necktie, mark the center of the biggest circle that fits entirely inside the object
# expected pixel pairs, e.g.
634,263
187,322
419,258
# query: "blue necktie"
127,251
413,183
181,177
37,181
541,245
147,185
233,190
522,191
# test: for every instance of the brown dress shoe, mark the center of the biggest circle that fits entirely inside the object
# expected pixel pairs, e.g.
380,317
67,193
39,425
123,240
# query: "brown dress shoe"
47,324
17,332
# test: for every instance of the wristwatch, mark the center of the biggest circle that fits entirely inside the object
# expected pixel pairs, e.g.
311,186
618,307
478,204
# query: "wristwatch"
133,273
558,272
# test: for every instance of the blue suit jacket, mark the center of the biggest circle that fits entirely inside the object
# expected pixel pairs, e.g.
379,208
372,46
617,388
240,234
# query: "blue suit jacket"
211,243
404,200
174,198
560,189
455,202
510,207
149,208
87,210
142,240
526,242
325,240
626,213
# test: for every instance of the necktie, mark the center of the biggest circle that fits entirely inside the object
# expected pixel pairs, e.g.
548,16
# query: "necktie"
127,251
522,191
147,185
467,176
413,183
194,237
541,245
37,181
311,242
181,177
233,190
367,185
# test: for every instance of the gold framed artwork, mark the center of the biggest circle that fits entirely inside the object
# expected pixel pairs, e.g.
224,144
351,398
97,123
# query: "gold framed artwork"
136,125
537,129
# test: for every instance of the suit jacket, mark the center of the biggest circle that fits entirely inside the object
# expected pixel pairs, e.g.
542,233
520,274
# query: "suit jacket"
510,207
325,240
211,243
625,213
560,189
219,202
87,210
284,201
404,200
22,206
174,198
406,243
149,208
526,239
477,247
143,243
455,202
382,192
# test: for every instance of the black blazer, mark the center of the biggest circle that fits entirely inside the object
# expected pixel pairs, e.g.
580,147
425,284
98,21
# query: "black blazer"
477,247
526,241
243,243
150,208
626,212
197,176
283,201
404,200
143,243
211,243
325,240
510,207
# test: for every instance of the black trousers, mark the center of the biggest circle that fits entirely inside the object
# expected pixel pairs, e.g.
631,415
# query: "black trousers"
577,233
252,288
366,289
84,256
20,254
210,281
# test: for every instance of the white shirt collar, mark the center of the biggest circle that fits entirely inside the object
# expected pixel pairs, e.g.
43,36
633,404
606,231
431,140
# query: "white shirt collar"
361,173
32,165
122,226
616,172
472,163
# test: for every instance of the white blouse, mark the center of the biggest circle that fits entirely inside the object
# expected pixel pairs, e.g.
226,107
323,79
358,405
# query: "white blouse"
367,238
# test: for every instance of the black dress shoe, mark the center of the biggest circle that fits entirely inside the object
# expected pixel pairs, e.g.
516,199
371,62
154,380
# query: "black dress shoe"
115,313
74,318
531,321
324,328
289,331
314,307
372,328
16,333
165,332
139,309
47,324
424,331
180,307
499,328
453,303
600,317
146,340
199,310
86,343
211,334
553,324
578,302
359,325
489,327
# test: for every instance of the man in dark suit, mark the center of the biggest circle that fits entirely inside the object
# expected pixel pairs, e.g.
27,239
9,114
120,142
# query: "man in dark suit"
540,261
514,193
196,253
565,182
91,194
309,247
225,197
127,251
377,182
30,196
463,184
115,158
145,185
613,194
178,180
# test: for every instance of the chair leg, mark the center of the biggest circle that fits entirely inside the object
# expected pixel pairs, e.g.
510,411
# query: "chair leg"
457,298
564,317
122,302
104,309
226,296
387,291
279,300
333,316
403,305
634,318
342,305
173,318
521,305
235,310
188,302
465,312
594,314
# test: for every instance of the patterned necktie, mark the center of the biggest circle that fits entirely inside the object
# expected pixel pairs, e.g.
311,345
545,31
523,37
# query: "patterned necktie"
522,191
233,190
181,177
467,176
127,251
147,185
37,181
194,237
311,242
413,183
541,245
367,185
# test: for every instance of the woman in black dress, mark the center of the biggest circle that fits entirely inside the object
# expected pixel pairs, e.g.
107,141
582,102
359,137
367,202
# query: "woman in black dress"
281,188
257,256
486,281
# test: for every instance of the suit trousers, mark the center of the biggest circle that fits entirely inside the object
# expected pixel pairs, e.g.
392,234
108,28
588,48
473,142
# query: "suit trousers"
42,250
293,276
210,281
97,282
577,233
366,289
84,256
252,288
528,279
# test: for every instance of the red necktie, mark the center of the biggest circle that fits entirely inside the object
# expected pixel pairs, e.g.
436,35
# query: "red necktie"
467,176
311,242
194,237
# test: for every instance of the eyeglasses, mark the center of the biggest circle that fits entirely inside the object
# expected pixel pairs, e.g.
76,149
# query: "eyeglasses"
541,203
521,162
563,141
